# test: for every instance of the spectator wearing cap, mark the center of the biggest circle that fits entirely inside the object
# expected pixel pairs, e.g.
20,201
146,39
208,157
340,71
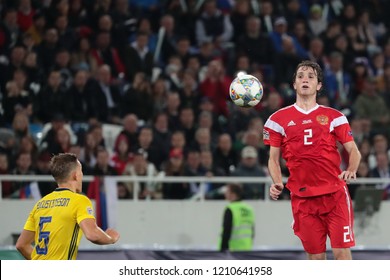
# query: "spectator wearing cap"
280,32
249,167
175,167
140,166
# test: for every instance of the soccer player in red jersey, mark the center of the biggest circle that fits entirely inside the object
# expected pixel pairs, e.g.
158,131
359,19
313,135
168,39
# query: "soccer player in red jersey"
306,135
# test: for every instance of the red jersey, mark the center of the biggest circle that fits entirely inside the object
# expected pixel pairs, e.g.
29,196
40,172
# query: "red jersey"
308,144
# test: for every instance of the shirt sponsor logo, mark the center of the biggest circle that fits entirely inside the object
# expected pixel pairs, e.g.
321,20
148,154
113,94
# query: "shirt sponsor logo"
291,123
322,119
265,134
306,121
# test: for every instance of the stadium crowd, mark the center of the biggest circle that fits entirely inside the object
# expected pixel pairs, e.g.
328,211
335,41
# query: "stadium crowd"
161,70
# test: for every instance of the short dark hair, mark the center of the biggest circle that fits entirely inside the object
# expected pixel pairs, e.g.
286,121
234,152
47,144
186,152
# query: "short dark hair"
62,165
314,65
236,189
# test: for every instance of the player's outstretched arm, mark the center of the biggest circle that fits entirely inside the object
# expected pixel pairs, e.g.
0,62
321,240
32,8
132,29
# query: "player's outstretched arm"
24,243
96,235
353,162
275,172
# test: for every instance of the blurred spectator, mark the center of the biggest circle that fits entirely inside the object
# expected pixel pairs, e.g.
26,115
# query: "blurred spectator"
124,22
159,94
279,33
61,143
5,170
238,16
192,168
302,34
130,130
43,168
332,31
23,167
137,57
337,82
52,100
138,99
355,44
11,64
82,58
140,166
249,167
172,72
106,97
26,13
285,61
175,167
145,142
209,169
102,166
106,54
380,144
47,49
161,134
189,93
216,85
371,105
15,100
144,26
359,73
28,145
382,170
267,15
172,109
123,191
62,64
80,92
225,156
178,141
67,36
213,26
9,30
37,29
255,43
317,23
348,14
272,103
239,120
88,151
253,138
187,124
122,155
35,75
205,120
202,140
293,12
316,52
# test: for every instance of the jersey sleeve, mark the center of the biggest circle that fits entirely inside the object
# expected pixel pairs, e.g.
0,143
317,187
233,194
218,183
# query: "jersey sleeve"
342,129
272,133
30,223
84,209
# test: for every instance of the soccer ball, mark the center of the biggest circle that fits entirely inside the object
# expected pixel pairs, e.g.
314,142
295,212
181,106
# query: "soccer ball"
246,90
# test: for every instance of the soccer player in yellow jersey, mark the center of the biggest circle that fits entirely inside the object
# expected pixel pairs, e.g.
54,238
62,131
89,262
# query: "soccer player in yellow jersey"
55,221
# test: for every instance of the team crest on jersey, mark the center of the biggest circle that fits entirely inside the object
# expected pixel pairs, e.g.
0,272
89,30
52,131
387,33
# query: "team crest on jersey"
265,134
322,119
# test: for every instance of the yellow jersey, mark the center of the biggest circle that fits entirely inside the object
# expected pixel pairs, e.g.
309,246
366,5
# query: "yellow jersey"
55,220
